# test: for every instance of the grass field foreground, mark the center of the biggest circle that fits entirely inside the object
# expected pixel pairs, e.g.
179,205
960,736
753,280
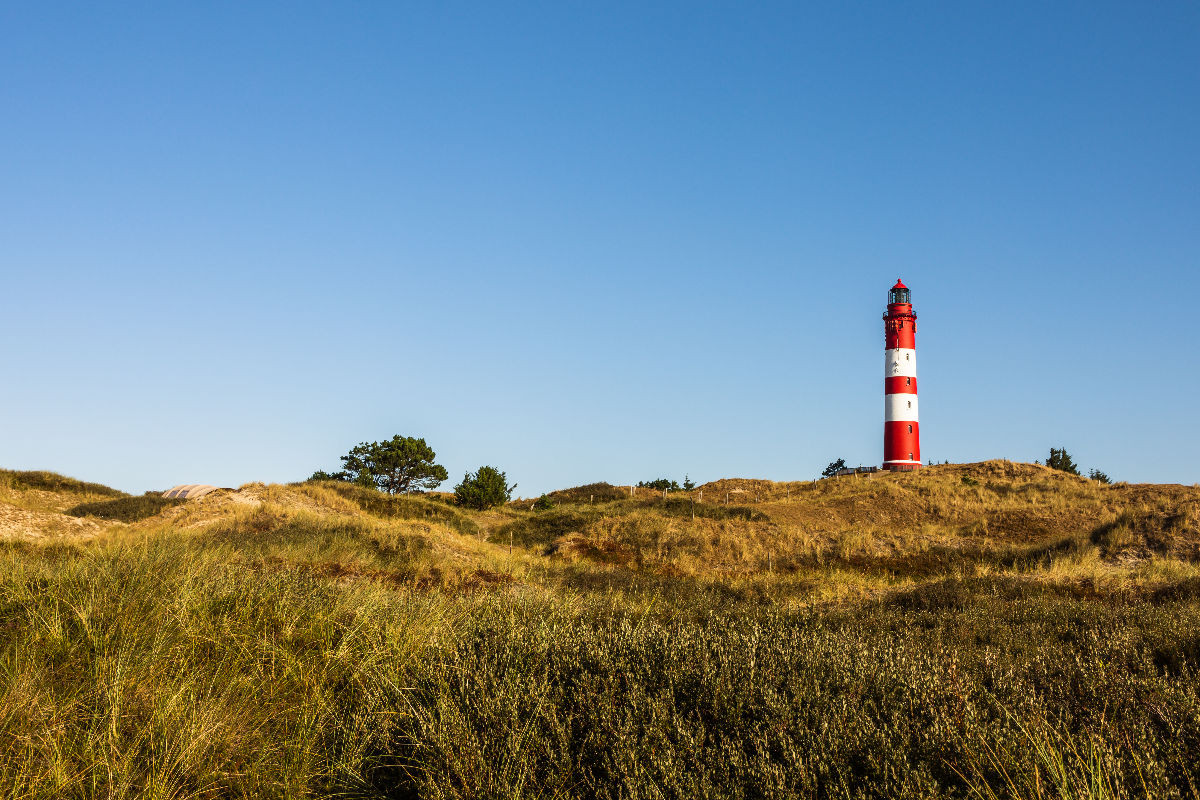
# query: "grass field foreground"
320,640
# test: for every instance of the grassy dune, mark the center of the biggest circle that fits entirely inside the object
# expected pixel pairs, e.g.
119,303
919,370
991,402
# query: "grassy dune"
988,630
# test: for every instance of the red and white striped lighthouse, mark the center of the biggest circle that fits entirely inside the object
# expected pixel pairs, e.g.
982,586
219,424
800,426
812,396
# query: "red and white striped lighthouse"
901,431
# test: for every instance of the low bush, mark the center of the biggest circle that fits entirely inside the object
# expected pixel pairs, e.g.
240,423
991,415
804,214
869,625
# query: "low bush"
126,509
485,488
591,493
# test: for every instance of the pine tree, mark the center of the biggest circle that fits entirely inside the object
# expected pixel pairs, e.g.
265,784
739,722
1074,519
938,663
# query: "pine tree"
1061,460
833,468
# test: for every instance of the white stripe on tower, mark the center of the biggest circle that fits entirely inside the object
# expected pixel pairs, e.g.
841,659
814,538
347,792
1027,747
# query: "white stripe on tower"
899,408
900,362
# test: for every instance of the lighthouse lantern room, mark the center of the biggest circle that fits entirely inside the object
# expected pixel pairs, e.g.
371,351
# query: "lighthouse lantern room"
901,430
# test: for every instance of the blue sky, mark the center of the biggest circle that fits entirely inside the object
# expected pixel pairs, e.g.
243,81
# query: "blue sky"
589,242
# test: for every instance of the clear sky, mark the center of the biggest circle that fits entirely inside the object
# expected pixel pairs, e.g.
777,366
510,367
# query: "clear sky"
603,241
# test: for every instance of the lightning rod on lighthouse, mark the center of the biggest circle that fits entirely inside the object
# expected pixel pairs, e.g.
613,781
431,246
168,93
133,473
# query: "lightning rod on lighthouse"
901,430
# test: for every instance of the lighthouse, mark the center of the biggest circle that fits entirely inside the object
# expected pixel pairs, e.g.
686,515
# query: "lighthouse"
901,431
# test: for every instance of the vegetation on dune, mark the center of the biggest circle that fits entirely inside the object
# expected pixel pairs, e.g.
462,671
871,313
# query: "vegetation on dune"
163,667
410,507
126,509
668,485
485,488
590,493
53,482
974,631
398,465
833,468
1061,460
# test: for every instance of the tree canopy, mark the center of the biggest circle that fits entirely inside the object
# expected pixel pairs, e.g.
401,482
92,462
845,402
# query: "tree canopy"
833,468
1060,459
398,465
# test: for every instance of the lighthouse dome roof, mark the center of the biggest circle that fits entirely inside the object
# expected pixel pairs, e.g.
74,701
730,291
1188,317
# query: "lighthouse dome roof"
899,284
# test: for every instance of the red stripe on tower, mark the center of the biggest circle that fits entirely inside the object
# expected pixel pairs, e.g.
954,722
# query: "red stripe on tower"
901,430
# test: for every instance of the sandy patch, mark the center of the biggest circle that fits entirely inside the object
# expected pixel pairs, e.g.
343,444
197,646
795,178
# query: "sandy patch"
20,523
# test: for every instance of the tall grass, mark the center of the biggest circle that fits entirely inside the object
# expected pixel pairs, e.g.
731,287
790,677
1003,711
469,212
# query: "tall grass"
207,665
324,640
151,670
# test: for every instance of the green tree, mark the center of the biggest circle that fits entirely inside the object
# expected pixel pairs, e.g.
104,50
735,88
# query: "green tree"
486,488
833,468
688,483
396,466
1099,476
1060,459
660,485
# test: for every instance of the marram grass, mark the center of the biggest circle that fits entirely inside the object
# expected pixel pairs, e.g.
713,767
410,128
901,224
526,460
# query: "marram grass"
319,642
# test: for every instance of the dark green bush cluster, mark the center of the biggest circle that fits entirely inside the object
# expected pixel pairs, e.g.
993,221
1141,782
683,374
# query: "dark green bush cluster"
126,509
483,489
668,485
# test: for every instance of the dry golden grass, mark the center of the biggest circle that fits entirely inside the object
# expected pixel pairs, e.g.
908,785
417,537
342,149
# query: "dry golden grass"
812,541
321,638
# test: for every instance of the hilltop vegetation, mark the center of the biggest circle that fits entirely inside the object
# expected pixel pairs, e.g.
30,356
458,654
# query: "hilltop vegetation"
981,630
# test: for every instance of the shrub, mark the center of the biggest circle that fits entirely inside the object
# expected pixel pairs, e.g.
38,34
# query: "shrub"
126,509
483,490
